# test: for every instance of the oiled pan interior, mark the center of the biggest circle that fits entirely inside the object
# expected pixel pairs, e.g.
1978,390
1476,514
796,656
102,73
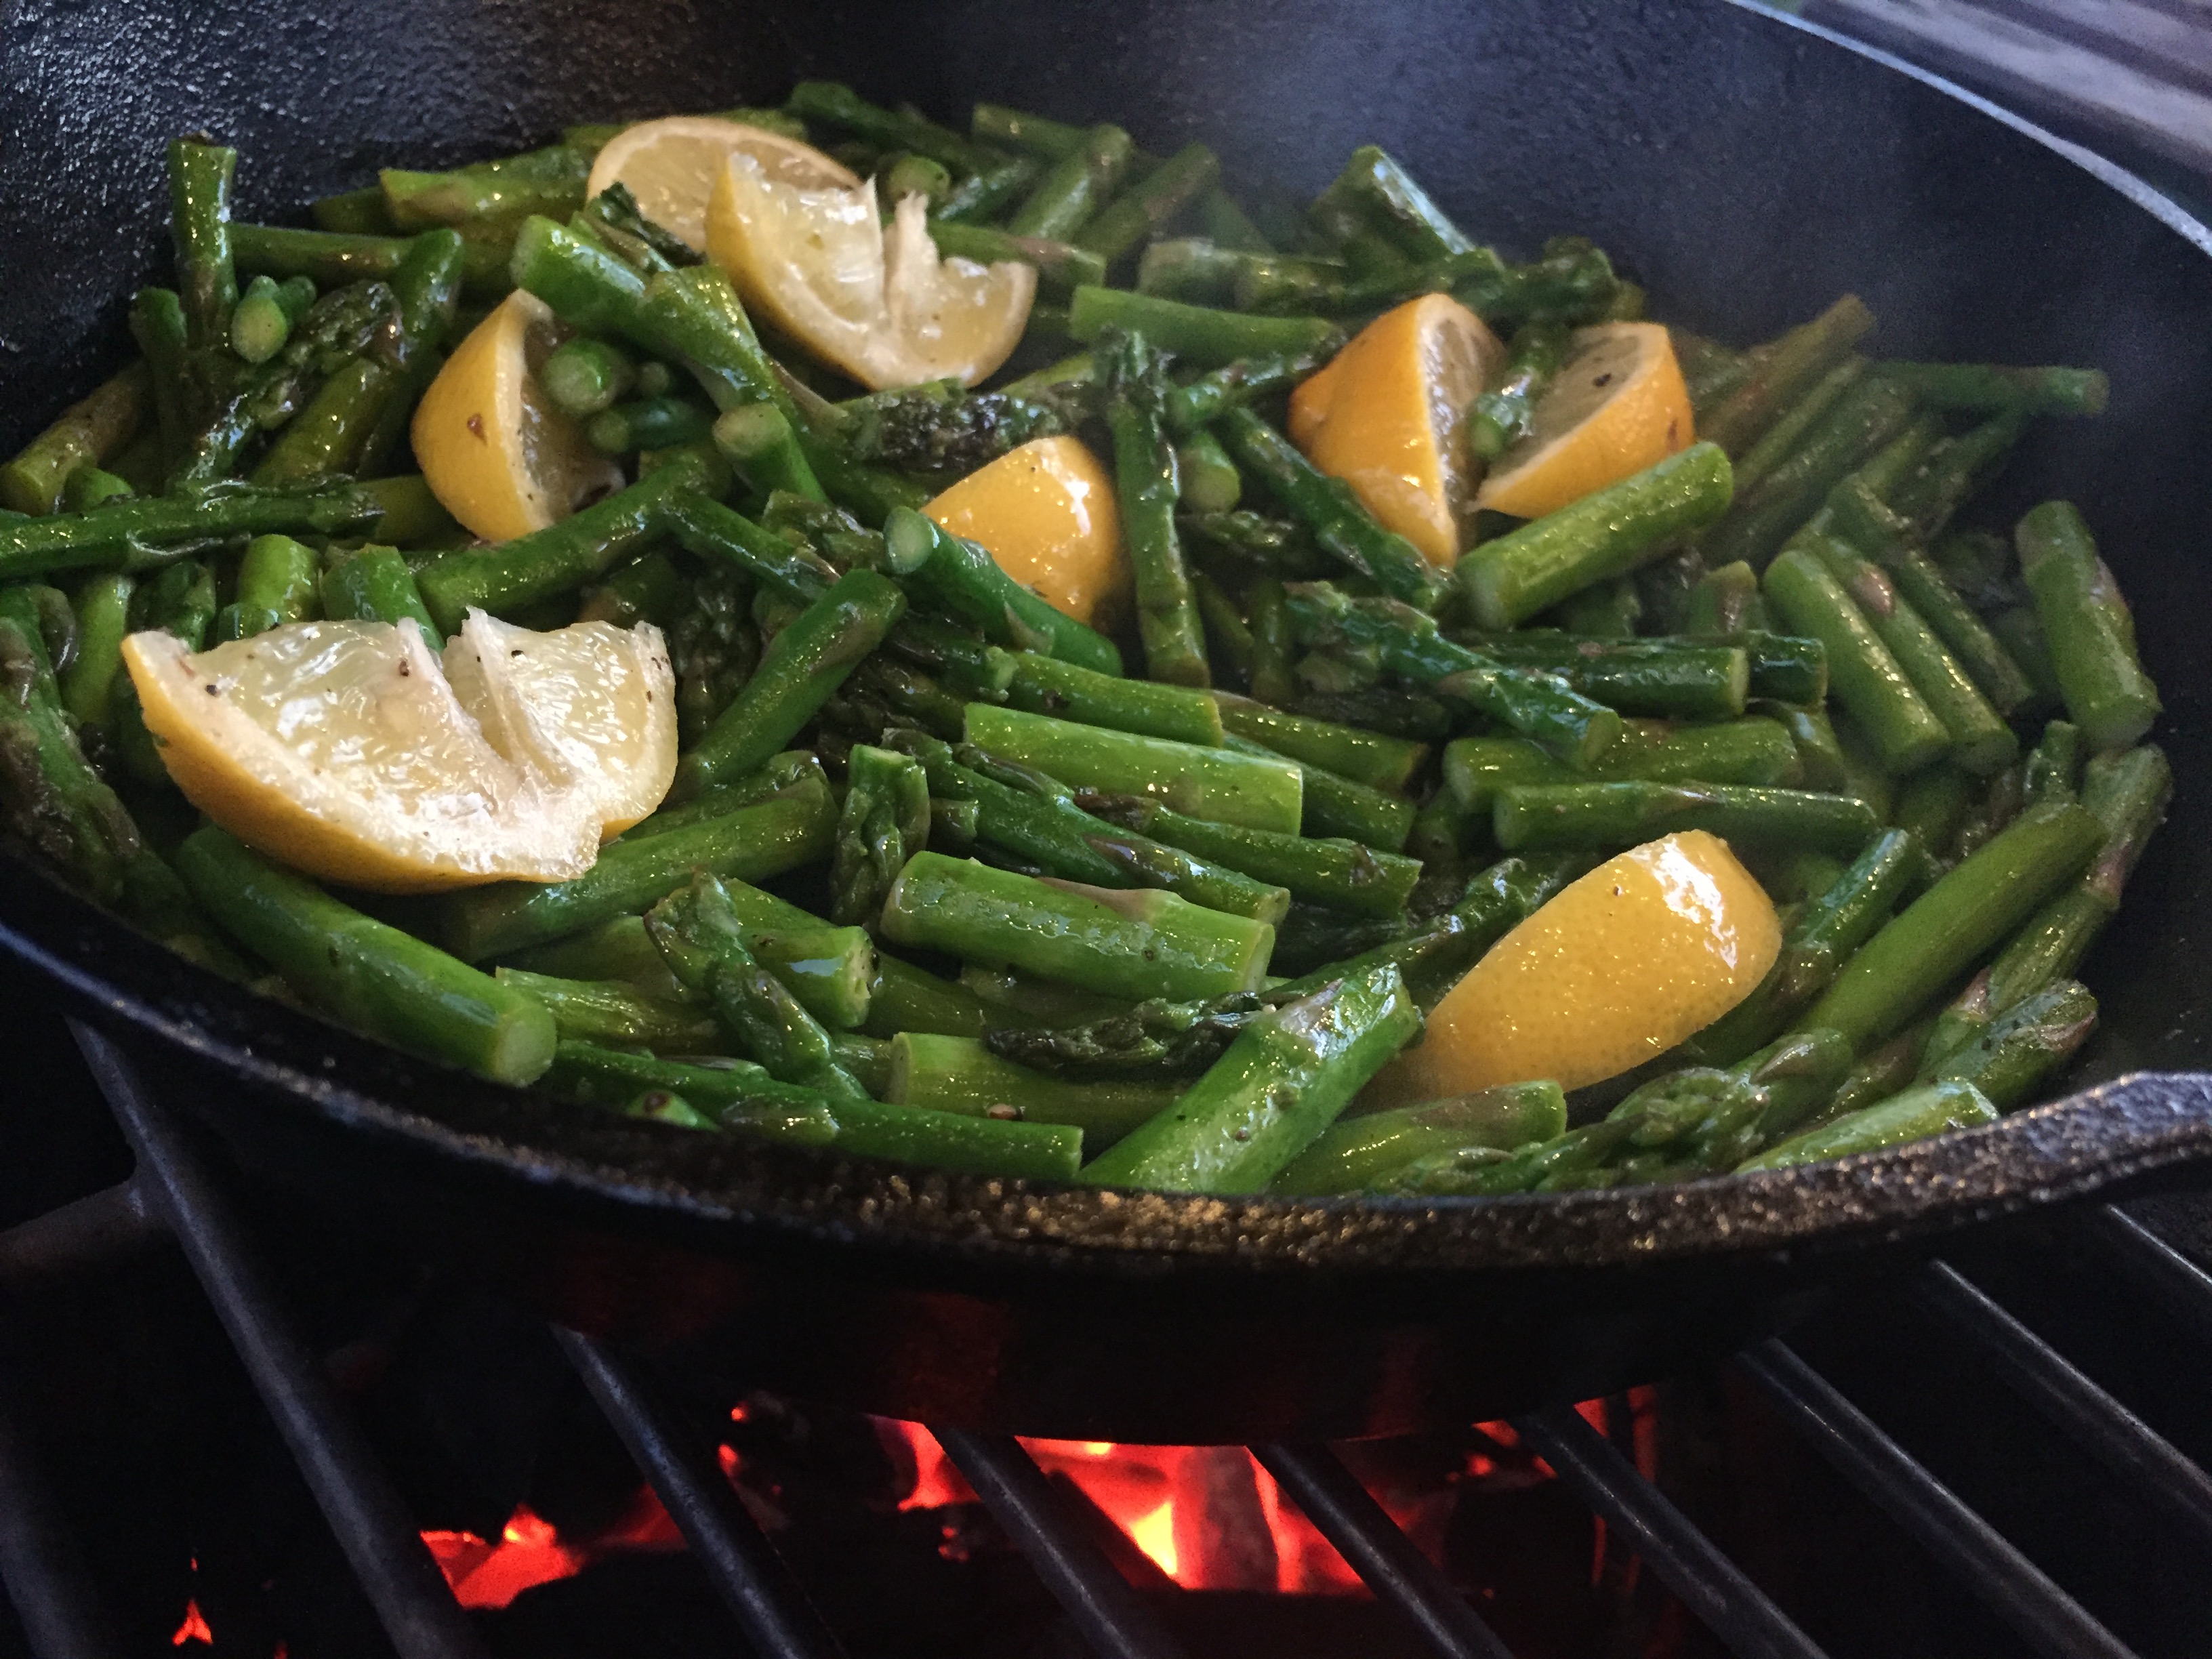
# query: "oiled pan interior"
1745,172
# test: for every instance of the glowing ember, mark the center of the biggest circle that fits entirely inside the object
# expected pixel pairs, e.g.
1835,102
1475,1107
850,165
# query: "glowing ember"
1154,1534
530,1551
194,1629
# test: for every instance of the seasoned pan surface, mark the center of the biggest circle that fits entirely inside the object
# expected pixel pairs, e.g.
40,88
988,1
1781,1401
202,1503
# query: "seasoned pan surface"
1744,170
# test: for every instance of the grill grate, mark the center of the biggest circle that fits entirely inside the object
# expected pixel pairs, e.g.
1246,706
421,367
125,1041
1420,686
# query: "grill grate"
173,1195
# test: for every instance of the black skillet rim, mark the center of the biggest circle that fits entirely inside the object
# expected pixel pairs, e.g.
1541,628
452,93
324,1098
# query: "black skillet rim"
730,1196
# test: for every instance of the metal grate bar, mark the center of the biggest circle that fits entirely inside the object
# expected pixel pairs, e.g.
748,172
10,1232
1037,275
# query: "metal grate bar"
2125,1443
1711,1585
2013,1588
1345,1513
2153,1264
1107,1612
372,1526
778,1617
44,1571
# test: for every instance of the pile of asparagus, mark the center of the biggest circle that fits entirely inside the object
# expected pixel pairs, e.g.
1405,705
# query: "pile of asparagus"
937,880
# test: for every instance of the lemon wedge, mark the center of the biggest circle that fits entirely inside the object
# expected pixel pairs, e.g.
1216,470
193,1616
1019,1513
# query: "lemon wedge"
670,166
495,451
1619,967
592,705
1617,406
874,300
1384,416
1047,514
342,749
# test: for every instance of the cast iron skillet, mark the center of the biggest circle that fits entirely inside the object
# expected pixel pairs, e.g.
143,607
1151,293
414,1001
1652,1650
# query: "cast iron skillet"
1746,170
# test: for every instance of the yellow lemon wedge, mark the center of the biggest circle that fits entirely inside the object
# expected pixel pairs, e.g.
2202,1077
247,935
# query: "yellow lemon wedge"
670,166
342,749
495,452
1047,513
1384,416
1617,406
591,704
873,300
1620,966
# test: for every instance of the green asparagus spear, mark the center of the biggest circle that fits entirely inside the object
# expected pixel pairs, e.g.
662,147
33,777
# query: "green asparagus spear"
1259,794
1625,814
1606,533
374,585
1824,934
1061,266
489,197
2048,390
1727,601
134,534
612,1011
1952,471
585,375
53,800
90,432
2012,1058
839,106
387,982
1781,440
1283,1081
2054,766
1148,483
700,932
831,970
1919,1113
1071,194
1274,642
1140,211
265,312
801,667
1196,404
279,581
103,618
1125,944
1365,756
337,431
1940,933
1980,741
2128,794
751,844
1328,508
1685,678
1539,706
1034,821
1197,334
1374,194
559,559
1865,419
886,820
1783,374
2086,619
181,599
1501,416
1753,750
745,1099
1045,685
960,579
651,424
1356,1152
1866,677
1207,480
960,1074
1334,872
